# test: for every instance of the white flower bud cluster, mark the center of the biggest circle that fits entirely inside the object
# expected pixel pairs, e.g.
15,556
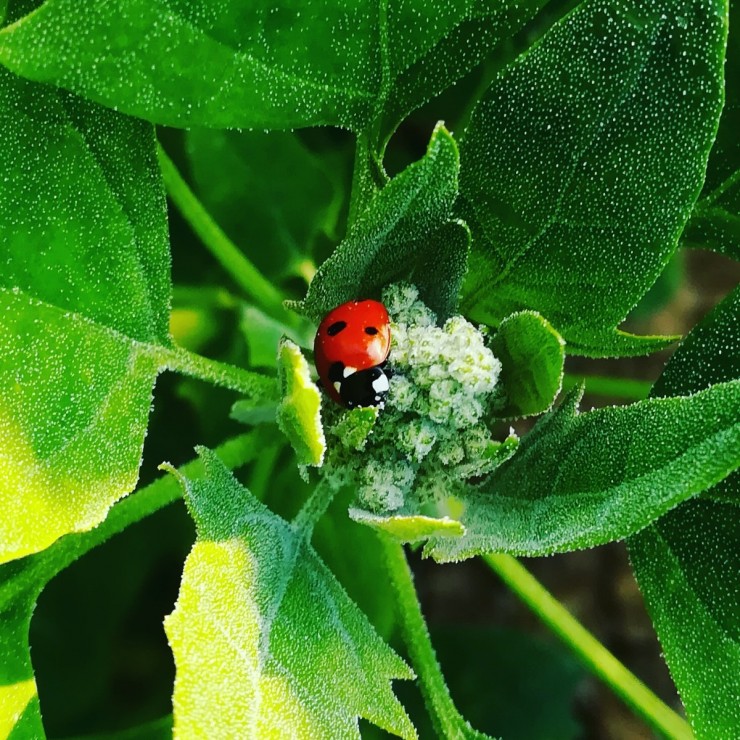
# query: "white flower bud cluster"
432,432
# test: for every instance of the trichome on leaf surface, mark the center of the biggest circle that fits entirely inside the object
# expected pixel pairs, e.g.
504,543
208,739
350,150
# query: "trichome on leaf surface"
585,144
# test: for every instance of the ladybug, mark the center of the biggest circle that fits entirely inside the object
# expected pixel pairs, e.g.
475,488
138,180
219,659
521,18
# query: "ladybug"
350,351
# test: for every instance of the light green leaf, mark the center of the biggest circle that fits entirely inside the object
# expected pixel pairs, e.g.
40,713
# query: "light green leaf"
409,528
580,480
583,160
714,227
299,411
268,192
251,658
22,581
687,563
258,65
84,296
404,233
354,427
19,703
532,356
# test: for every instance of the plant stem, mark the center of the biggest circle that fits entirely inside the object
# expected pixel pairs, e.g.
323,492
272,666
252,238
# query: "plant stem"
634,390
232,259
251,384
719,190
163,491
318,502
448,722
590,651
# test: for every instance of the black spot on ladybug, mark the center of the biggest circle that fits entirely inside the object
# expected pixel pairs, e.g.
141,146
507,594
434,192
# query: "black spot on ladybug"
336,327
364,388
370,330
336,372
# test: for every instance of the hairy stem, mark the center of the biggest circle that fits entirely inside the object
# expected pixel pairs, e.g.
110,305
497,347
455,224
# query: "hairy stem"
250,384
588,649
448,722
318,502
232,259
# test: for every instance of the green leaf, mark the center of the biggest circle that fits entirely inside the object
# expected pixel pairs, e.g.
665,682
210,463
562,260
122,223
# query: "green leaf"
257,65
715,222
251,658
404,233
84,295
580,480
583,160
688,561
268,192
532,357
299,411
411,527
22,581
19,704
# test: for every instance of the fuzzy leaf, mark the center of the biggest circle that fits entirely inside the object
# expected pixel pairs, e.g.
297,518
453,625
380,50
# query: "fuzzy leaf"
582,163
409,528
404,233
84,295
687,563
257,65
299,411
84,300
251,658
532,356
580,480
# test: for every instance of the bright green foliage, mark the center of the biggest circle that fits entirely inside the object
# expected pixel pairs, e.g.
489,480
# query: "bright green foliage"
687,563
299,411
405,232
580,480
582,162
410,528
259,65
265,639
19,704
84,296
268,192
532,355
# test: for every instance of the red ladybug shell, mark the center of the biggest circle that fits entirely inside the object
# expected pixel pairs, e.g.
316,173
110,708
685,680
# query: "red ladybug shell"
356,334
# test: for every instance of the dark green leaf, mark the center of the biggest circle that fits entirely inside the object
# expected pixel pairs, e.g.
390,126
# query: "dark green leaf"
251,657
687,563
582,163
405,233
580,480
260,65
532,356
268,192
715,222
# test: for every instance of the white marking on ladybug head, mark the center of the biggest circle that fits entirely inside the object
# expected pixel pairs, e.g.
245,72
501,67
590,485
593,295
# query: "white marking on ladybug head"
349,371
337,386
380,384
